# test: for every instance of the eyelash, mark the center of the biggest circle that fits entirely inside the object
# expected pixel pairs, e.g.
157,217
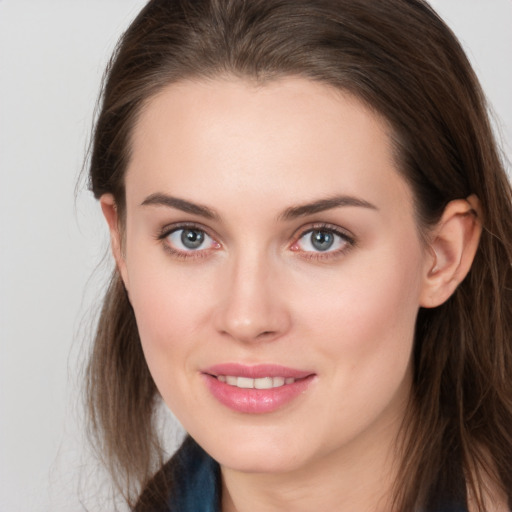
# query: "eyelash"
186,255
348,241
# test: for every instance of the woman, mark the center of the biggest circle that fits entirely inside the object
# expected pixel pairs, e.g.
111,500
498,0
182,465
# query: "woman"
311,227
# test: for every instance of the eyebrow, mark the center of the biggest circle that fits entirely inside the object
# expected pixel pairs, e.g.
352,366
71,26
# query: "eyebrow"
159,199
293,212
324,204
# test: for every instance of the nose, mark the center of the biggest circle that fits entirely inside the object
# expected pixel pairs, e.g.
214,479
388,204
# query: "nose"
252,305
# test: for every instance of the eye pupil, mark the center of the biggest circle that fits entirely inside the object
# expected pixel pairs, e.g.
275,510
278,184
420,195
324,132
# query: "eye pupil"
322,240
192,238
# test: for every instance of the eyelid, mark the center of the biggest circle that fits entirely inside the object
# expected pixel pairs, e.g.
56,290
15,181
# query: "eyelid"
168,229
324,226
343,233
175,226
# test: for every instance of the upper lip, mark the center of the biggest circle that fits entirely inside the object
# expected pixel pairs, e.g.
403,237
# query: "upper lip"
257,371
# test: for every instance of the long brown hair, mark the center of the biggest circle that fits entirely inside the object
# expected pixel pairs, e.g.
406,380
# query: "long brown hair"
399,58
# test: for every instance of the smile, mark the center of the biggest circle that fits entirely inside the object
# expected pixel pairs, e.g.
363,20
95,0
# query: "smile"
261,383
258,389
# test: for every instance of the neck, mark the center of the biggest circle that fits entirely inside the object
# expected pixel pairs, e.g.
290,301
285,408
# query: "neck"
358,477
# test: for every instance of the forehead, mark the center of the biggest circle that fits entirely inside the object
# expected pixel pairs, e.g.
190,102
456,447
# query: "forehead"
290,139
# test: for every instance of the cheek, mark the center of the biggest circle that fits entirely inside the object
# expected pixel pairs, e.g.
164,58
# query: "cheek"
169,314
364,321
171,305
169,309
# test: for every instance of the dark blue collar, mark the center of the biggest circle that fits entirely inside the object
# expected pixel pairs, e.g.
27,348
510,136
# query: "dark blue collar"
196,480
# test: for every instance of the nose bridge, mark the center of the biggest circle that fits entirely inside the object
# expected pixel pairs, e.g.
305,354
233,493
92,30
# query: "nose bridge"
252,307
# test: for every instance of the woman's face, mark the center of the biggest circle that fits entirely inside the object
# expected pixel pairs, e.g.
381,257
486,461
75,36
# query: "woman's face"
275,268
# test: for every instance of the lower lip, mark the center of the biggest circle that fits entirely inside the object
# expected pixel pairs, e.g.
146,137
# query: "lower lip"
256,401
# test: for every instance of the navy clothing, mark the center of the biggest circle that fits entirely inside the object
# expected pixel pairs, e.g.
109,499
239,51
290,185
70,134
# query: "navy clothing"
198,483
195,478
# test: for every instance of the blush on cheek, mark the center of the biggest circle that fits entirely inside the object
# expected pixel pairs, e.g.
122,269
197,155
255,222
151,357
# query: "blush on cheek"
379,312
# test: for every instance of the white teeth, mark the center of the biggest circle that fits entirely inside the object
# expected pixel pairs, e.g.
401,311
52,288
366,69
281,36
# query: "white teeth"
232,381
261,383
279,381
245,383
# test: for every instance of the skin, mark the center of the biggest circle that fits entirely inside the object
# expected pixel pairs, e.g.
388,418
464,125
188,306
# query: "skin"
257,291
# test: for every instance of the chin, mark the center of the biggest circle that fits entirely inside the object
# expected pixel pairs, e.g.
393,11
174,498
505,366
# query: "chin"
255,453
264,463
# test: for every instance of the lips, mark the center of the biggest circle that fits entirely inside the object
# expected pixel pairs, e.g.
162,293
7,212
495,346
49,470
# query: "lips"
256,371
256,389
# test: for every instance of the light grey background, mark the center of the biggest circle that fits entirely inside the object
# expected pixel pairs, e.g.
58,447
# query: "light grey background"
52,54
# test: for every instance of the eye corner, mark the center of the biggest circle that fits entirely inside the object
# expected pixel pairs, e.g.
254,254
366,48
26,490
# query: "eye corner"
295,247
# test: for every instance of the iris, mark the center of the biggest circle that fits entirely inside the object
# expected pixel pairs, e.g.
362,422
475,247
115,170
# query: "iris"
322,240
192,238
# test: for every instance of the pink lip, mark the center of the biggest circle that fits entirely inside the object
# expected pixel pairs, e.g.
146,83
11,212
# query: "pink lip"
257,371
256,401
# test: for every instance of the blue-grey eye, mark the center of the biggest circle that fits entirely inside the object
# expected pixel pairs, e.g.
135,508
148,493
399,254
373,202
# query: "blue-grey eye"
321,240
189,239
192,238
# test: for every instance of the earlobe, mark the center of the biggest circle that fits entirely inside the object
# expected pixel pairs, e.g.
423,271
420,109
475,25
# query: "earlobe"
453,247
110,212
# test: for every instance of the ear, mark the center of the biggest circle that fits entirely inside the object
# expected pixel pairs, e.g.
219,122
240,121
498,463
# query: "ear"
453,247
109,208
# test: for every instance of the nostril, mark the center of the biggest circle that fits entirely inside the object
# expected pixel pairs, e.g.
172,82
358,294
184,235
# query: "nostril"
265,334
